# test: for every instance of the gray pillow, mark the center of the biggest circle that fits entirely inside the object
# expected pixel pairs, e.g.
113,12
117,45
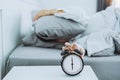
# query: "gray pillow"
52,27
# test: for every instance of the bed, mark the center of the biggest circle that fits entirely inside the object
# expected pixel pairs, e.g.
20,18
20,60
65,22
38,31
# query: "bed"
104,67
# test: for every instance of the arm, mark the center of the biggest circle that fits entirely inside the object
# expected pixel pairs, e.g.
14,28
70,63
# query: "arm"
46,13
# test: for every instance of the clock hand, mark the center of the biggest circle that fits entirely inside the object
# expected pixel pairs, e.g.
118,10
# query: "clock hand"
72,62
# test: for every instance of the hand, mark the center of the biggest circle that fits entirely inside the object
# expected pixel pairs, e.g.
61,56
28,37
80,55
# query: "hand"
68,46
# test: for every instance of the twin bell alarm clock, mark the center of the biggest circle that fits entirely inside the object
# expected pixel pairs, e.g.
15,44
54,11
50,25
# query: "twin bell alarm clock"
71,62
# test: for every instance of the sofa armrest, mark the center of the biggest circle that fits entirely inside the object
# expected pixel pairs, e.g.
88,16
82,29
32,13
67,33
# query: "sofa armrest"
10,32
0,43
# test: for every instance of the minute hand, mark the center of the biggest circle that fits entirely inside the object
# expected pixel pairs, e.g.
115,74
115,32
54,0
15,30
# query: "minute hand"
72,62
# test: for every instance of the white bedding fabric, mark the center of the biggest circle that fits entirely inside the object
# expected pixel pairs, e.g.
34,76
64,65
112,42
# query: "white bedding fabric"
75,14
102,32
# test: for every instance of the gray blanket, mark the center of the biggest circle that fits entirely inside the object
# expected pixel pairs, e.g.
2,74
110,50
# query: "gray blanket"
102,36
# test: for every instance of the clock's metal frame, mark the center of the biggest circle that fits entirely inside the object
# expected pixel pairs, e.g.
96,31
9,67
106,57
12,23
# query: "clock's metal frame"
63,58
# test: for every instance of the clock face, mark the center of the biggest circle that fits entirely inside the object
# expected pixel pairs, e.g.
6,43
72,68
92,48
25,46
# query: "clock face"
72,64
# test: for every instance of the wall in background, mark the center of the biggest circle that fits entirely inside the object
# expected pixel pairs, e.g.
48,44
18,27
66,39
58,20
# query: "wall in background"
11,17
88,5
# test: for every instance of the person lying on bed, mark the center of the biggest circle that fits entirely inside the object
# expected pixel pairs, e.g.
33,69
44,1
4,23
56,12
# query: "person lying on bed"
74,47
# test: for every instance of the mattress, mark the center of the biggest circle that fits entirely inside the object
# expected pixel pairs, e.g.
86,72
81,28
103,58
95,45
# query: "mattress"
36,56
29,56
